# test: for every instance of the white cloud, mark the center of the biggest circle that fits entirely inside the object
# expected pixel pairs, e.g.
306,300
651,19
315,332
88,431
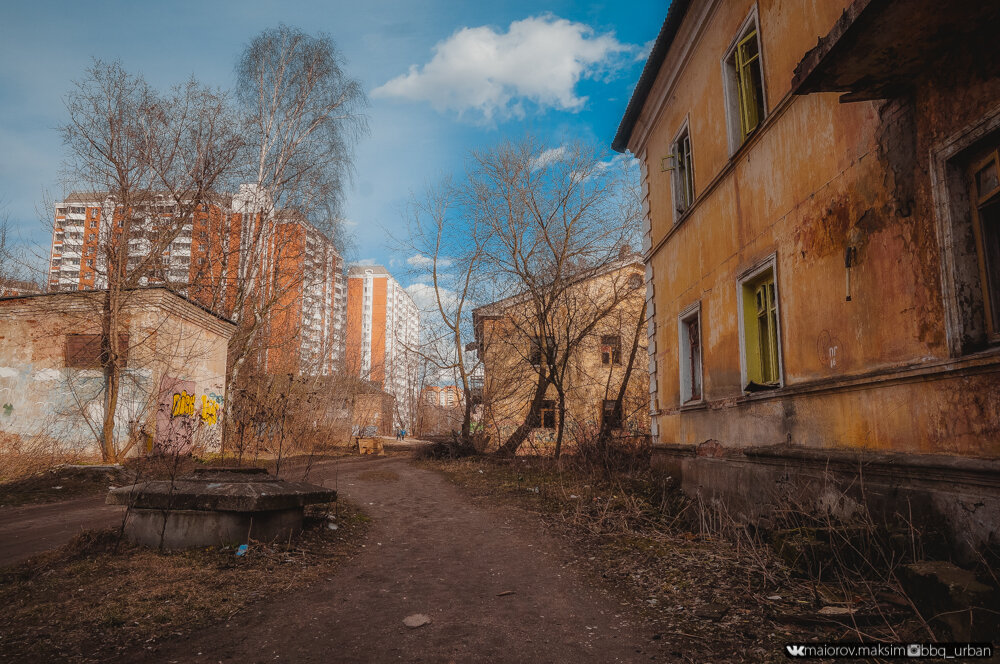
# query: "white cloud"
419,260
425,299
539,59
644,50
547,157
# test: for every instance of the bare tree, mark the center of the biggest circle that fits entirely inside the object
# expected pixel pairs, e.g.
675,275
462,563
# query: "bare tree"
448,246
301,114
154,160
556,218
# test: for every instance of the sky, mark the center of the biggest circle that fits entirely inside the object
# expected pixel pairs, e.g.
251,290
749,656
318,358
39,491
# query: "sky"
443,77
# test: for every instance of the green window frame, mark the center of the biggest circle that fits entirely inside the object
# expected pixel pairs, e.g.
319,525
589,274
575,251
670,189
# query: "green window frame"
749,83
760,331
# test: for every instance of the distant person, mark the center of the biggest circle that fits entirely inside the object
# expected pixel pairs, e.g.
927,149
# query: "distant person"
404,434
399,434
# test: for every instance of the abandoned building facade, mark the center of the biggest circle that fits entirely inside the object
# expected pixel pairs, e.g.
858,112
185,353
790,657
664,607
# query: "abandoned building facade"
588,336
822,246
52,386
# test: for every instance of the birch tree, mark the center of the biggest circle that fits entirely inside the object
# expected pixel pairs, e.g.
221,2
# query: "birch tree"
301,114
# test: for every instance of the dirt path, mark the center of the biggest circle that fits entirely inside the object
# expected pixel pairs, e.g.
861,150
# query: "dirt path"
495,586
25,531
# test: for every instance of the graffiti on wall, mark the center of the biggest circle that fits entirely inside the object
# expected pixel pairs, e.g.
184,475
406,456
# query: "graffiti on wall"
183,404
209,410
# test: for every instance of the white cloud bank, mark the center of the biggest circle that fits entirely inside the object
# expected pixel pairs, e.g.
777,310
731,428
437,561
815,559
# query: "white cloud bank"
491,74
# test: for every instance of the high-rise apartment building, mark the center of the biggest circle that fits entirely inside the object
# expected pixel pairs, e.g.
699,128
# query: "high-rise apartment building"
383,329
224,246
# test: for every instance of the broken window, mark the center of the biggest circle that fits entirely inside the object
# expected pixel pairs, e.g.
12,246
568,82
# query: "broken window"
683,180
611,414
83,351
985,176
611,349
745,85
689,347
545,417
548,413
760,326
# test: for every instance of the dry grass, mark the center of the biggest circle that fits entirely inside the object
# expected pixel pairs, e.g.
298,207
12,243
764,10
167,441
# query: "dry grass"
97,597
722,589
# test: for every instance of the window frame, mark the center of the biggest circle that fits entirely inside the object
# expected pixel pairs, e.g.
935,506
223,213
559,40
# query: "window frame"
731,83
977,201
747,277
676,178
615,352
618,419
538,419
685,364
535,347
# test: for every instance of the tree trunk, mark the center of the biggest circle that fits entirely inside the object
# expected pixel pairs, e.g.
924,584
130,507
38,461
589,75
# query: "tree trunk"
112,373
562,422
513,442
605,426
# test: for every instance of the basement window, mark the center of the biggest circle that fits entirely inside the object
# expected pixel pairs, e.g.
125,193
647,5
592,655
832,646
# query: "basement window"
689,348
760,332
611,349
744,80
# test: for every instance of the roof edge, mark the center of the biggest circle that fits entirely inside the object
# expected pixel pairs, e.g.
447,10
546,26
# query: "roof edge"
675,14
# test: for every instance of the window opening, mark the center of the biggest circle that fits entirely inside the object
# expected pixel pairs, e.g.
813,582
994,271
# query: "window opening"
986,229
760,320
611,349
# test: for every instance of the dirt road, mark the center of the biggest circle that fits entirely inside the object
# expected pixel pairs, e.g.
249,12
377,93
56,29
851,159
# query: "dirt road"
496,587
25,531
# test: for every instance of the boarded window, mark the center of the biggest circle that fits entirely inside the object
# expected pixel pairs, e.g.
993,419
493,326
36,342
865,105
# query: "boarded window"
83,351
611,349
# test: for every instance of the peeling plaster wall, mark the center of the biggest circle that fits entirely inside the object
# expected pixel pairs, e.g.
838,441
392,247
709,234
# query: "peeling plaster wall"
819,176
43,400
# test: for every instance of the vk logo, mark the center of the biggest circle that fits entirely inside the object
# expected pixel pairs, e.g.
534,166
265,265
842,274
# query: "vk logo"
796,651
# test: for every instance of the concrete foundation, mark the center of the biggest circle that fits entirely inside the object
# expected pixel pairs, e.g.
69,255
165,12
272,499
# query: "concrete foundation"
956,497
216,506
185,528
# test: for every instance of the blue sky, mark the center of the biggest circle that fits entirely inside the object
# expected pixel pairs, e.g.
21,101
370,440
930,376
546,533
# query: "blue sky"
444,77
